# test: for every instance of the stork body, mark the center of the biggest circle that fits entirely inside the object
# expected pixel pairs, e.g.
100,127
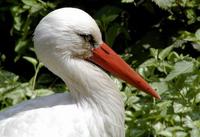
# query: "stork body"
93,105
64,41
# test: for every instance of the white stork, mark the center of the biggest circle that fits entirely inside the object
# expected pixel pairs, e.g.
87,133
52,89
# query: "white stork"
67,40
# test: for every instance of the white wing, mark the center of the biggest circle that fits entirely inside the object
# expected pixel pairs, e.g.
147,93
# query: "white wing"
52,116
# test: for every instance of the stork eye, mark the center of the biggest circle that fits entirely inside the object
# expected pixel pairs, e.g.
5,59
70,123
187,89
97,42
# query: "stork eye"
89,38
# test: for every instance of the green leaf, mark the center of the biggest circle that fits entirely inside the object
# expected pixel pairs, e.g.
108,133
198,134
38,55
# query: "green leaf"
106,15
34,5
165,133
197,34
7,77
31,60
131,100
29,2
117,82
179,108
18,21
149,62
20,93
188,122
128,1
165,52
191,15
196,46
197,99
173,56
164,66
12,91
165,4
21,45
164,104
128,114
154,52
44,92
107,11
181,134
137,132
160,87
195,132
181,67
158,127
112,33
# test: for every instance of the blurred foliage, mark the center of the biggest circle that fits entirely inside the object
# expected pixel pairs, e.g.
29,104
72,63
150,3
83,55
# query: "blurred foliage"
161,38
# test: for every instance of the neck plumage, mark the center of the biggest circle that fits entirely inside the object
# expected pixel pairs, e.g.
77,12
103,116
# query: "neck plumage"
93,89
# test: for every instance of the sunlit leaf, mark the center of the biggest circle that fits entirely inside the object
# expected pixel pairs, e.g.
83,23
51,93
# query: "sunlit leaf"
196,46
181,134
179,108
164,3
182,67
159,127
160,87
197,34
11,90
149,62
165,52
195,132
173,56
190,13
31,60
30,2
128,1
165,133
188,122
131,100
197,99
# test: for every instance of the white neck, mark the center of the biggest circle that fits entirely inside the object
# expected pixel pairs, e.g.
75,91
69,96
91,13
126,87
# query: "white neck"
93,89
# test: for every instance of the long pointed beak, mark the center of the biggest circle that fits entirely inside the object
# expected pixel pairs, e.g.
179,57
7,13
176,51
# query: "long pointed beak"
105,57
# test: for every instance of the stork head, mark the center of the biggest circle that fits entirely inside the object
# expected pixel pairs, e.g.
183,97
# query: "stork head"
71,32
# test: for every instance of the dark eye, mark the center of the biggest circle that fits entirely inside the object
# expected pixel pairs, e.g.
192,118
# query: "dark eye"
89,38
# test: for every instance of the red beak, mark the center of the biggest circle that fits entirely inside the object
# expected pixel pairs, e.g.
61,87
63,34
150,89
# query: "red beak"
105,57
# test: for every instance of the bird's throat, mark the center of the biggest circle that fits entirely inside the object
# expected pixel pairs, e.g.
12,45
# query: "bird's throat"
93,89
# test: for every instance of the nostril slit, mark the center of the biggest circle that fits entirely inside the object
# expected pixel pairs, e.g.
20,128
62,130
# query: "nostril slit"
107,52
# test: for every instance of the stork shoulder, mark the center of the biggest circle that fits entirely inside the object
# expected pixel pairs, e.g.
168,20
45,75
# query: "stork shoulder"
53,116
